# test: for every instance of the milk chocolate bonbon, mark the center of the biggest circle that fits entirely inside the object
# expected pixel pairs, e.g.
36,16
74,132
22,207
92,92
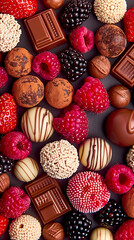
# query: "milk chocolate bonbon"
45,30
123,69
47,198
120,127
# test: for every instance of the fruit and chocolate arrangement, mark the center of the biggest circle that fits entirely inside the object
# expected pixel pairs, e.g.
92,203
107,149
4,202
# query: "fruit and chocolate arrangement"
66,120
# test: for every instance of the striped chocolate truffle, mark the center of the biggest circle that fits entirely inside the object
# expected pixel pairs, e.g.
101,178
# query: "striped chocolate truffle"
101,233
95,153
36,124
26,170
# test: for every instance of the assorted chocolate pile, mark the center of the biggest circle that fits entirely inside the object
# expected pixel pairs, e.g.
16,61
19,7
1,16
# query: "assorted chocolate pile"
38,78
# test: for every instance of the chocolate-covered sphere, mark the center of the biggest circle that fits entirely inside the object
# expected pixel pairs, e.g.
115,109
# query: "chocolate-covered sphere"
53,231
128,202
99,67
119,96
119,127
53,3
110,40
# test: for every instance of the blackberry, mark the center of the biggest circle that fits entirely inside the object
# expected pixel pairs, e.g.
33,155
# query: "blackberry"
112,215
6,164
77,226
73,63
75,13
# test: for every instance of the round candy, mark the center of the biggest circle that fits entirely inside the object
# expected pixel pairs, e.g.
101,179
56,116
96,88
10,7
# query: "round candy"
53,3
110,40
99,67
120,127
128,202
101,233
36,124
53,231
119,96
130,158
28,91
88,192
59,93
95,153
26,170
18,62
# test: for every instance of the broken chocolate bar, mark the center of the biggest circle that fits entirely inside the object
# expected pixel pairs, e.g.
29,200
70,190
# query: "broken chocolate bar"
123,69
47,198
45,30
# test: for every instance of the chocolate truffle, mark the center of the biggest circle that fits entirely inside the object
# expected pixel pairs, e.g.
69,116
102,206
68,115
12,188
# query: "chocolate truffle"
18,62
120,127
59,93
101,233
36,124
28,91
53,231
110,40
128,202
99,67
130,158
4,182
119,96
53,3
95,153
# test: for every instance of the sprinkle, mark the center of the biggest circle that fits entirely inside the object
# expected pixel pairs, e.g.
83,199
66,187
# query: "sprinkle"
110,11
9,32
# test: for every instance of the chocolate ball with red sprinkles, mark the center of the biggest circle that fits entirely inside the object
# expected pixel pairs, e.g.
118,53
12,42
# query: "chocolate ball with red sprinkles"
87,192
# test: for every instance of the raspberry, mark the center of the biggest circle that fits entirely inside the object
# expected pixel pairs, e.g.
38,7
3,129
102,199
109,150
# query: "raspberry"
125,231
3,77
119,178
87,191
14,202
82,39
129,24
73,125
92,96
47,65
15,145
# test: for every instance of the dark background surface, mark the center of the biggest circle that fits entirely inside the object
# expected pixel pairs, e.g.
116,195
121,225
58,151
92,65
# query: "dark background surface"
96,121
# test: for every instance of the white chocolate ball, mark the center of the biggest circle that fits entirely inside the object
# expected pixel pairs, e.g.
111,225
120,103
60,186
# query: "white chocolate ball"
36,124
101,233
26,169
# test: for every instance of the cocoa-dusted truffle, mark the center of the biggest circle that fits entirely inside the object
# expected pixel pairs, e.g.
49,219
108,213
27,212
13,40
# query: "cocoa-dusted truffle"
4,182
110,40
18,62
119,96
53,231
28,91
128,202
59,93
99,67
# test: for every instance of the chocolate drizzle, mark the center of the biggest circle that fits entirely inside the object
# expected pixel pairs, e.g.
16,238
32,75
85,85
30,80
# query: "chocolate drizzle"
130,125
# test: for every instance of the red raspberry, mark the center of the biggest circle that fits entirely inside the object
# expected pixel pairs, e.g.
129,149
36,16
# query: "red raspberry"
3,224
3,77
14,202
73,125
82,39
119,178
125,231
15,145
92,96
47,65
129,24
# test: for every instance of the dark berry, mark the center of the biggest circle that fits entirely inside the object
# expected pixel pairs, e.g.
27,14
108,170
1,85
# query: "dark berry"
6,164
77,226
75,13
111,215
73,63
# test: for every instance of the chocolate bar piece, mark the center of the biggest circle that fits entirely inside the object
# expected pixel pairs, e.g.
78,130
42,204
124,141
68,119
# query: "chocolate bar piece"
123,70
47,198
45,30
